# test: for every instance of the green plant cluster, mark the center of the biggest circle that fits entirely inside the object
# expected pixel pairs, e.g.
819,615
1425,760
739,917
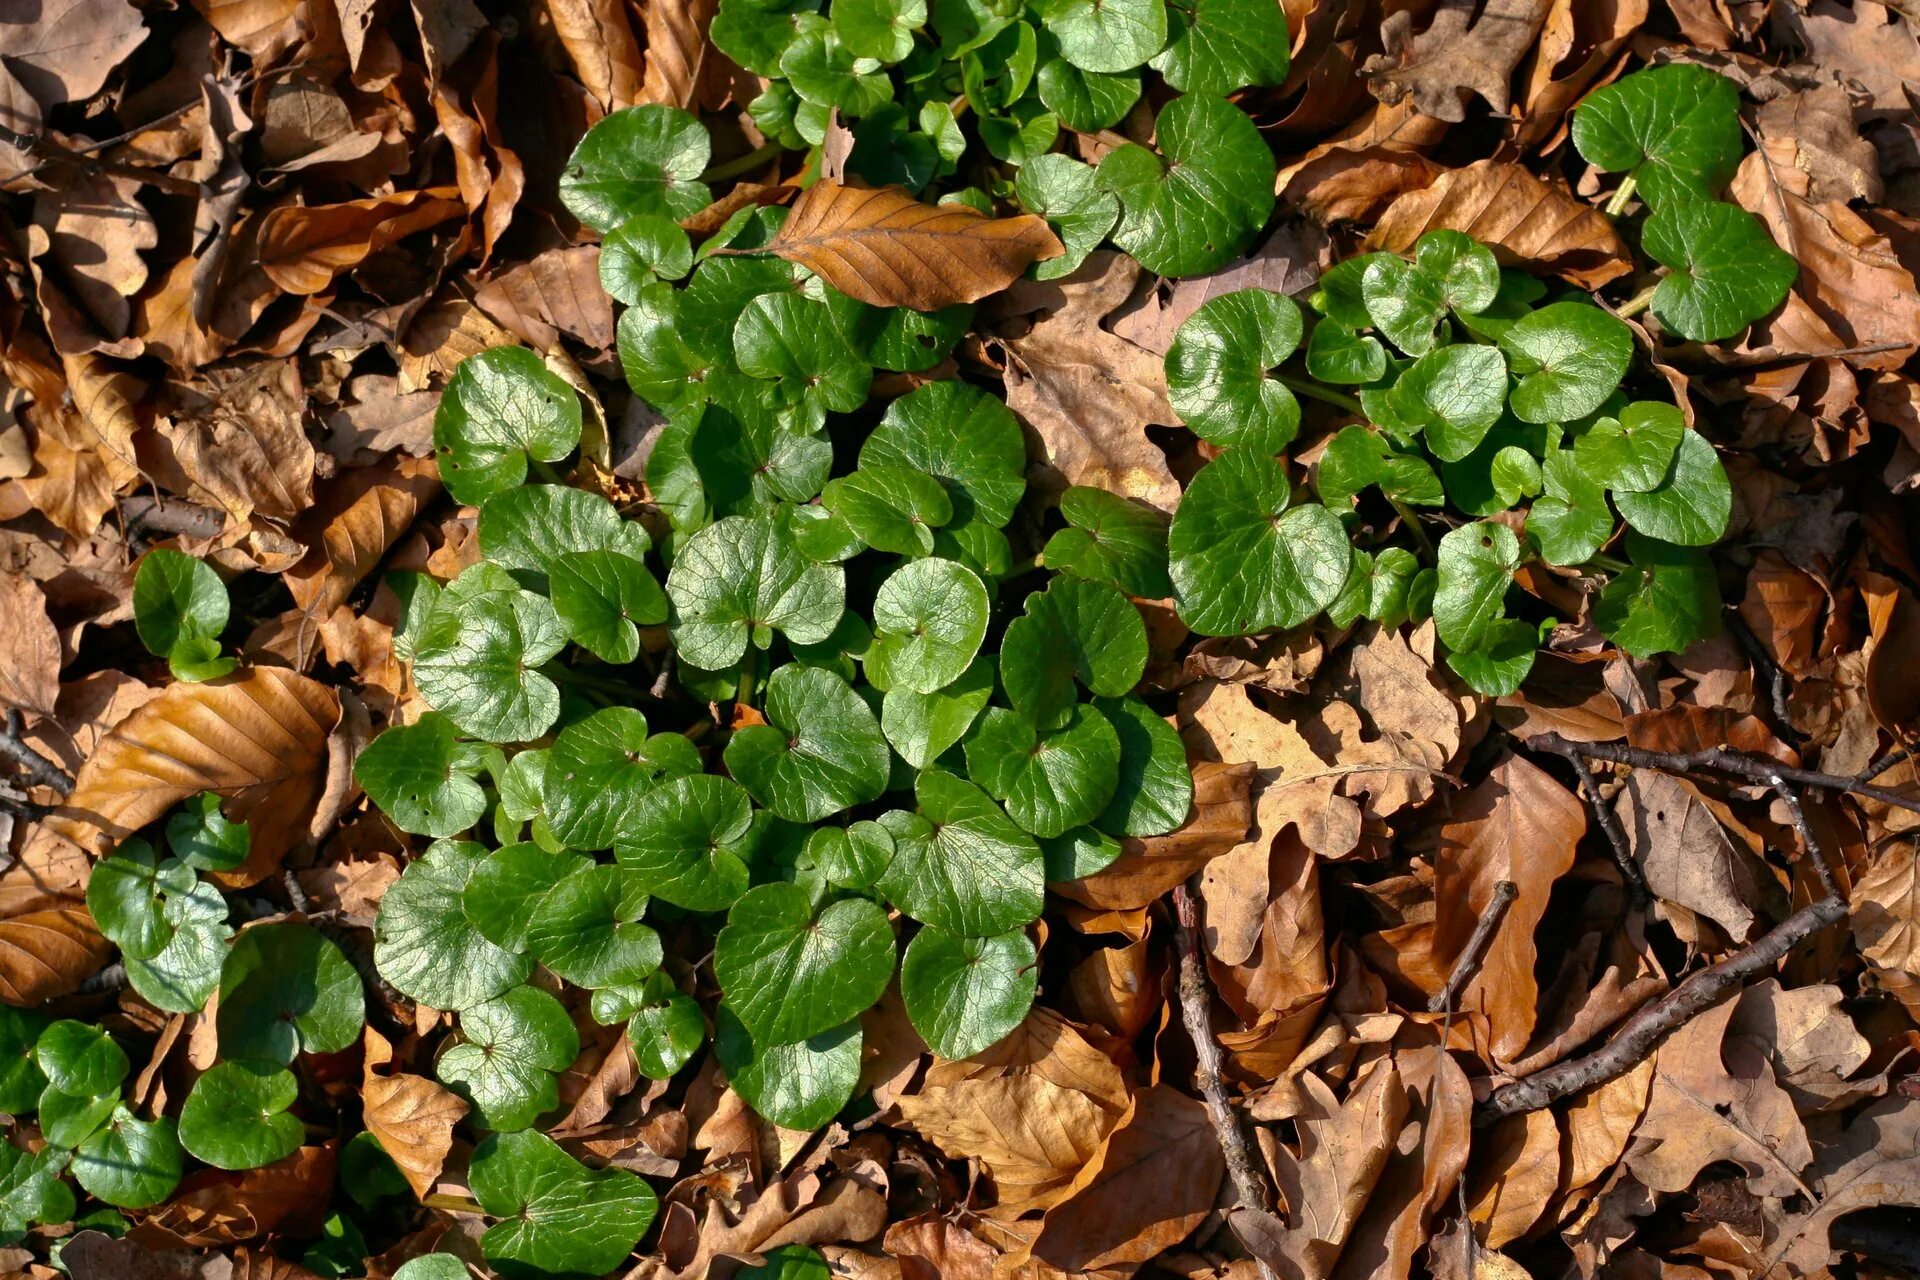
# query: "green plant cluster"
1674,131
180,608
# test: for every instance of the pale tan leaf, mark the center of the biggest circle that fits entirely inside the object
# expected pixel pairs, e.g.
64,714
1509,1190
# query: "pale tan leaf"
1599,1123
558,292
242,443
260,27
1031,1135
29,647
413,1118
887,249
1686,855
1876,1161
1469,48
1886,920
64,50
1518,1172
378,417
599,40
302,248
96,228
1344,1147
1146,868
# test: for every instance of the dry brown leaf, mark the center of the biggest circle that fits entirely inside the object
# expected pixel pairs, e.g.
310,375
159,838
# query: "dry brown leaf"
1115,987
262,28
1527,222
1688,858
1355,174
599,40
1886,920
1876,1161
1600,1122
64,50
888,250
1580,43
1715,1098
96,229
48,946
1518,825
1515,1176
1860,43
359,517
1344,1147
258,738
1031,1134
241,444
1147,868
1090,395
443,335
302,248
1782,608
558,292
1892,686
379,417
929,1247
29,647
683,68
1807,1035
1290,261
1814,150
1469,48
413,1118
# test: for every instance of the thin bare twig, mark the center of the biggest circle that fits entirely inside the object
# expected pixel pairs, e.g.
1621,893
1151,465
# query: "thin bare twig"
40,771
1603,818
1899,755
1196,999
1467,964
1758,769
1776,677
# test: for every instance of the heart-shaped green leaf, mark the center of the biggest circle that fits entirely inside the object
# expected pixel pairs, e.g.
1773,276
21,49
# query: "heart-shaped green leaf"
183,973
1358,457
1455,395
1049,781
1155,793
1086,101
853,856
922,726
31,1191
1406,300
929,618
1571,520
419,776
965,994
790,972
1569,357
177,599
508,1058
66,1121
1476,564
645,159
797,1086
1505,656
556,1215
688,840
1242,562
1666,602
21,1080
1106,35
1674,129
1337,353
1066,193
1074,630
881,29
131,1163
475,659
793,343
80,1059
755,34
586,929
645,248
820,751
1726,270
1376,588
1690,507
665,1028
1222,46
598,768
201,836
1219,370
604,598
1112,540
1634,452
286,989
527,528
1195,206
236,1115
959,862
741,579
502,407
502,893
959,434
828,74
890,508
126,895
425,945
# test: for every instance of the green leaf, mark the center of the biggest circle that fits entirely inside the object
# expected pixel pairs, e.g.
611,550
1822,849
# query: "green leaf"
1075,629
659,361
1220,46
425,945
1086,101
666,1030
1666,602
1341,295
1512,304
641,250
1571,520
183,974
645,159
433,1266
880,29
1503,659
528,528
502,893
600,766
1476,564
236,1116
964,995
823,70
788,1262
1107,35
967,439
586,929
131,1163
1065,192
502,407
1450,271
1218,370
890,508
1455,395
741,455
1336,353
1569,357
929,618
1049,781
415,774
743,578
201,836
1113,540
755,34
475,658
21,1080
509,1057
922,726
1241,561
1674,129
286,989
1514,474
688,842
177,600
80,1059
603,598
66,1121
1634,452
1194,207
793,343
853,856
1358,457
557,1215
126,895
1155,793
1691,506
31,1191
959,862
820,751
797,1086
1376,588
1024,134
900,338
1726,270
790,972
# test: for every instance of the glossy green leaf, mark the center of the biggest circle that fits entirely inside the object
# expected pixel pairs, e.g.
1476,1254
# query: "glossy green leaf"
1113,540
1241,561
1219,370
966,438
527,528
183,974
1075,630
1221,46
66,1121
418,775
1337,353
1675,129
21,1080
687,840
31,1191
1048,781
502,407
959,862
1570,520
80,1059
890,508
645,159
1502,660
1376,588
963,995
665,1029
853,856
1666,602
508,885
790,972
880,29
922,726
600,765
603,598
287,989
641,250
1691,506
797,1086
475,658
507,1061
929,618
1198,203
820,751
1569,357
1634,452
425,945
202,836
1726,271
177,599
1107,35
1450,271
1155,791
586,929
1357,457
1087,101
556,1215
236,1115
741,579
131,1163
1455,395
126,897
1066,193
793,343
824,71
1476,564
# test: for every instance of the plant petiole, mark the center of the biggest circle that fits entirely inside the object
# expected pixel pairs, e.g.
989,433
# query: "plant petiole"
1314,391
1620,197
1411,519
743,164
1609,564
546,472
1640,301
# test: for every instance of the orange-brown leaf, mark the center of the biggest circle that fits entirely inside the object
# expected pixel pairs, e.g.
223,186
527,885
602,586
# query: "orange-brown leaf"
886,248
359,517
47,950
413,1118
302,248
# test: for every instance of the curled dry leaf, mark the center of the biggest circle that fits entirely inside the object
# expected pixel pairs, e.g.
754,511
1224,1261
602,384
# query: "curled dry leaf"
1875,1162
599,39
413,1117
683,69
1527,222
1886,920
1469,48
361,514
302,248
64,50
240,443
29,647
258,738
887,249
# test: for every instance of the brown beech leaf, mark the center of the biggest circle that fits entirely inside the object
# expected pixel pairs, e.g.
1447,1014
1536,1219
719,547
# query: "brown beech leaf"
931,1248
241,442
1146,868
1469,48
683,68
1517,1170
1688,858
599,40
260,27
1600,1121
361,514
96,229
29,647
1527,222
1579,41
1886,920
302,248
379,417
1519,825
64,50
885,248
558,292
48,946
1344,1147
1893,656
258,738
413,1118
1813,148
1030,1134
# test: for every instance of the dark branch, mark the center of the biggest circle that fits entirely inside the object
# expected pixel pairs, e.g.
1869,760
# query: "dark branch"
1754,768
1602,817
1468,962
40,771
